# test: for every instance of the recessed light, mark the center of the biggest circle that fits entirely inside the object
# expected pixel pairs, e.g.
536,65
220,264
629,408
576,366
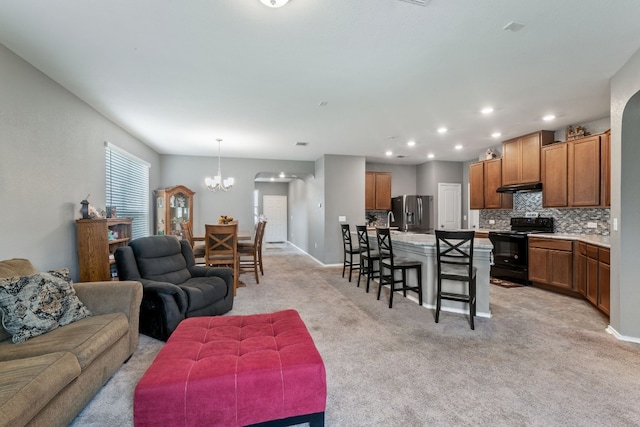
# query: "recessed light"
411,143
487,110
496,134
389,153
548,117
430,155
458,147
442,130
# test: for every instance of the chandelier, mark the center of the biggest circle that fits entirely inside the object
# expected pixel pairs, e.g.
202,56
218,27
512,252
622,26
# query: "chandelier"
217,183
274,3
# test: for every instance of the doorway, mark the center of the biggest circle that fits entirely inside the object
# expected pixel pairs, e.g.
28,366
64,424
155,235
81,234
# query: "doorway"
274,208
449,202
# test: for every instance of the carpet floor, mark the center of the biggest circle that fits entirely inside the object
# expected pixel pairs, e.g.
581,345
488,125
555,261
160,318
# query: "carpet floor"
542,359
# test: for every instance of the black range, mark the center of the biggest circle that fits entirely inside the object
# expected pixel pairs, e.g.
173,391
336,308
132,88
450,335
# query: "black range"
510,248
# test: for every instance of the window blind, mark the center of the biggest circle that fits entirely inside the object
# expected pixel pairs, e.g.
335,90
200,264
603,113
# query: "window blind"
127,188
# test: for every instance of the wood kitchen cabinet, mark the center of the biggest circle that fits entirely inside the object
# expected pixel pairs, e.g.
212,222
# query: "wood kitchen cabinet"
577,173
377,191
584,171
521,157
605,169
484,179
551,262
554,175
592,275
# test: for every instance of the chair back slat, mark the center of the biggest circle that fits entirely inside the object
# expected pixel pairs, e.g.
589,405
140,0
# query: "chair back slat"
346,237
363,239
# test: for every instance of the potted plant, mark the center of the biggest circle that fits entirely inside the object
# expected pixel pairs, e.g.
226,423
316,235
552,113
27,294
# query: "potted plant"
371,219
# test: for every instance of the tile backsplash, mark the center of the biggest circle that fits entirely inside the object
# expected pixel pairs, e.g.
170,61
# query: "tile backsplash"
566,220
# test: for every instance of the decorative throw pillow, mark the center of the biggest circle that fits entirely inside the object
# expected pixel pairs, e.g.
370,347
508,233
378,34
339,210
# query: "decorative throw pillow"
39,303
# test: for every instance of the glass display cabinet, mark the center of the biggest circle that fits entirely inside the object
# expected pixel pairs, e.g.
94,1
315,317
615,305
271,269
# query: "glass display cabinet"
174,205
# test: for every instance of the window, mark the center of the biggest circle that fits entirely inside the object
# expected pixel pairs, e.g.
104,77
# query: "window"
127,188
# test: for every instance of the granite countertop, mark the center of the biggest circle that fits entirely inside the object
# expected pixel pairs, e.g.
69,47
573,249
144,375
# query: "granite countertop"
603,241
419,239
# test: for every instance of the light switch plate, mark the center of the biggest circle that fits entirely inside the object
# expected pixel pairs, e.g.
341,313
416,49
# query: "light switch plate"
592,225
342,218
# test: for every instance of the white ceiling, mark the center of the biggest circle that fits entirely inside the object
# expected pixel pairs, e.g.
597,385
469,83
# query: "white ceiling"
179,74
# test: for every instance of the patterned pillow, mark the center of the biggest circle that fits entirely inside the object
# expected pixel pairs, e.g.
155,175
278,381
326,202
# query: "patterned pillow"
39,303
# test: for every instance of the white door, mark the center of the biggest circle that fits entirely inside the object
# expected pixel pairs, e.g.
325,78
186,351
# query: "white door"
449,205
274,208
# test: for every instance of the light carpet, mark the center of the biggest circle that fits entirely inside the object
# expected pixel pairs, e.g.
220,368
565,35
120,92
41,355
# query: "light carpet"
542,360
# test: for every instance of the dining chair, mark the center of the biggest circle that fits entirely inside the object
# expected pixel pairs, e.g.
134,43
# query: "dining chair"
349,251
369,260
248,251
455,262
197,243
392,264
221,248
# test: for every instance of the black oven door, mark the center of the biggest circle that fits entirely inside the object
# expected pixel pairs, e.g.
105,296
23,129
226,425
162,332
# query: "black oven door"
509,256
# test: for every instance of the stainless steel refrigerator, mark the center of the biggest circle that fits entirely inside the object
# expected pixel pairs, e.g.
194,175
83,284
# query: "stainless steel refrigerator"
413,213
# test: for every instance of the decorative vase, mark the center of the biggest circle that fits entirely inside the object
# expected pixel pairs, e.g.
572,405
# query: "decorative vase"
85,209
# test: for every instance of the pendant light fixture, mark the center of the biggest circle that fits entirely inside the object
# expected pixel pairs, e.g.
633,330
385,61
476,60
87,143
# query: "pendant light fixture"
274,3
217,183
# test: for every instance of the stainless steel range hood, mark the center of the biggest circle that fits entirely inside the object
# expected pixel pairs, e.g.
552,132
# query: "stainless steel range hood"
520,188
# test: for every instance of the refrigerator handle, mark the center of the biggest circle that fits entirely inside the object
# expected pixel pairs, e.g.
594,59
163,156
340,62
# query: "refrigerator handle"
419,211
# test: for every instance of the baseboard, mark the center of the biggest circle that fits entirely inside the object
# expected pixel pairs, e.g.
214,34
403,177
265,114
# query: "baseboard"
620,337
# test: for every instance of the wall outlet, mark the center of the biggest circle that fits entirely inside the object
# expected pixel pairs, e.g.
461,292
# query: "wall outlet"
592,225
492,221
615,224
342,218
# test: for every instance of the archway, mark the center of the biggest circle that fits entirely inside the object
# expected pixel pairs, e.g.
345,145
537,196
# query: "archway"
625,316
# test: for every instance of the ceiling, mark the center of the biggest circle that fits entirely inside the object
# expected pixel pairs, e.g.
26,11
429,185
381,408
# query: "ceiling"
355,77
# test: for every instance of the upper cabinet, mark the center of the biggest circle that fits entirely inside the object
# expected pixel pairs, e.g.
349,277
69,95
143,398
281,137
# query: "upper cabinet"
521,157
577,173
554,164
174,206
378,191
485,177
584,171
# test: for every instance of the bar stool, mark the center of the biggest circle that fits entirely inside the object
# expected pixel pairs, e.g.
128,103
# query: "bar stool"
455,262
368,258
393,264
349,251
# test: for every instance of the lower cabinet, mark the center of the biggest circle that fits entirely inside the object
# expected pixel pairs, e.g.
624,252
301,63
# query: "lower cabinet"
578,267
594,275
551,262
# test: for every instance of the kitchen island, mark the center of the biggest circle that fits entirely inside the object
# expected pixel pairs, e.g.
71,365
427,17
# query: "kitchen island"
422,247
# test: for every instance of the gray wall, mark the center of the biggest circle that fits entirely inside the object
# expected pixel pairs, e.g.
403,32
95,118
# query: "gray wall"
431,173
238,202
298,208
51,157
625,199
344,196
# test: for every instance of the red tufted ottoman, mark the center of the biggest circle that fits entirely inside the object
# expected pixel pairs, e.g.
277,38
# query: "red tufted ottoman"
234,371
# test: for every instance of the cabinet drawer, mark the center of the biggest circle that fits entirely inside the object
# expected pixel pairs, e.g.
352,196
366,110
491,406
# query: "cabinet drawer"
559,245
605,255
592,251
582,248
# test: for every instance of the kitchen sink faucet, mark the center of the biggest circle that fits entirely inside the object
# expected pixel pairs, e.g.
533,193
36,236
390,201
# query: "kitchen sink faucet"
390,218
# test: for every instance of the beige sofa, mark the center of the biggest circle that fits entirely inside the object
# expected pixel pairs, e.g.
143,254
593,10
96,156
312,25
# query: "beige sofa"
48,379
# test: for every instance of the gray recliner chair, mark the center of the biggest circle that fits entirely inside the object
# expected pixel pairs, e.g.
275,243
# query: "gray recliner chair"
174,288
